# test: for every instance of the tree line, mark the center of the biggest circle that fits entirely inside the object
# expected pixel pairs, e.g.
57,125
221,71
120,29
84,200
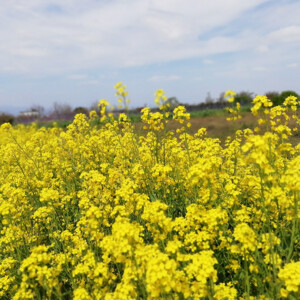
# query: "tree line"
65,111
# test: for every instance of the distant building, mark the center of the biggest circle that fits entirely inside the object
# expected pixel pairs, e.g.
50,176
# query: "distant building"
33,113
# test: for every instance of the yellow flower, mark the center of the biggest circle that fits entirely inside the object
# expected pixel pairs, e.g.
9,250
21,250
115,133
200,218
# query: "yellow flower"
290,275
244,234
230,95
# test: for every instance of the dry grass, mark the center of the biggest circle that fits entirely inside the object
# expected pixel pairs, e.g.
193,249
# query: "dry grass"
217,126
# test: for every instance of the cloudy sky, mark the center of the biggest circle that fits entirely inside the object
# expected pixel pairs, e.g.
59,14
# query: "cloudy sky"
74,51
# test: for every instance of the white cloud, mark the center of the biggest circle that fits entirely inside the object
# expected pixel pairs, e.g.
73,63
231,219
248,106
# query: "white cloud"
77,76
208,61
55,36
293,65
199,78
260,69
90,82
262,49
286,34
164,78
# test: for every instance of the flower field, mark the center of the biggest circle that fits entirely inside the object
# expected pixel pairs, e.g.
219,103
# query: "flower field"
101,212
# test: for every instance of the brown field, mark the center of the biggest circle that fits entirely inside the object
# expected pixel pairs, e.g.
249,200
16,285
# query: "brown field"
218,127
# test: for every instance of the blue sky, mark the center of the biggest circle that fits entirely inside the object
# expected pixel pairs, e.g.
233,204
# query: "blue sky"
73,52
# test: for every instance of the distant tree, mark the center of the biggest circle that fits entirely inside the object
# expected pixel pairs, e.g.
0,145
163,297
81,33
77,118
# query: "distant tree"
209,99
173,102
62,110
38,108
273,96
244,97
80,110
6,118
221,98
286,94
94,106
278,99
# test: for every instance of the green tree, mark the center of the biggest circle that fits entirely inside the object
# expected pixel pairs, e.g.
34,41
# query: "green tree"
279,99
173,102
6,118
273,96
244,98
80,110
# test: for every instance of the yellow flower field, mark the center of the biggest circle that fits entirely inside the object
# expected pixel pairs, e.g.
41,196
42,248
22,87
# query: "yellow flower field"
101,212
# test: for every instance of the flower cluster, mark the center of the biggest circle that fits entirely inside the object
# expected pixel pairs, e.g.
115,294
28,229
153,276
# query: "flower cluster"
122,94
108,212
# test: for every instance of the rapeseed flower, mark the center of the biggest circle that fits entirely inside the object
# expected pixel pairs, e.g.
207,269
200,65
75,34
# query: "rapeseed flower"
107,212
